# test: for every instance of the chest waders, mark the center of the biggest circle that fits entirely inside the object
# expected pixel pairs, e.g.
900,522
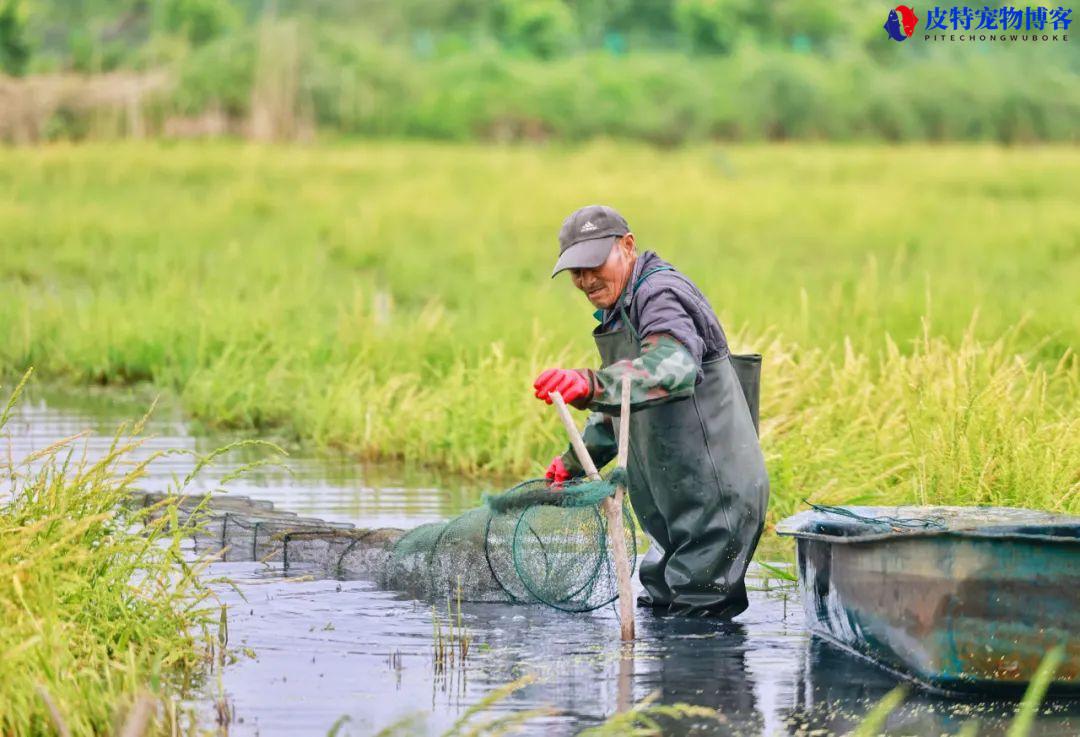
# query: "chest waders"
698,485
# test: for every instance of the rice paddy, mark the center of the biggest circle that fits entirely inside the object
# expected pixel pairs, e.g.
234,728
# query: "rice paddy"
916,305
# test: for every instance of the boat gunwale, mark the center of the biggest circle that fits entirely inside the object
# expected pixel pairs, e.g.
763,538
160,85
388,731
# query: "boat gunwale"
978,522
985,533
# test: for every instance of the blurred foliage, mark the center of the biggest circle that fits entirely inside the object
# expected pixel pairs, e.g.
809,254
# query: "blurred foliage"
658,70
668,98
711,25
221,75
541,27
14,44
198,21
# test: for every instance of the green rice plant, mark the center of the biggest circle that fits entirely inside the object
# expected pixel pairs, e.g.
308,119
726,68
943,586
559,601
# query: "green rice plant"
967,423
473,723
970,729
873,722
101,613
475,720
392,300
450,643
783,575
1036,691
1026,711
649,719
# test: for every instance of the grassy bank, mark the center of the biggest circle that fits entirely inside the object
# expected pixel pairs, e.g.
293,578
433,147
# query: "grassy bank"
916,305
102,626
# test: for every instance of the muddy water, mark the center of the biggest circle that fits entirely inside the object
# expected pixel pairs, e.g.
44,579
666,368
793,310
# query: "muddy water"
315,653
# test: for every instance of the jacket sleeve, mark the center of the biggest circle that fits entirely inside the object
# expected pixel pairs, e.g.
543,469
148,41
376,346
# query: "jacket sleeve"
664,371
599,437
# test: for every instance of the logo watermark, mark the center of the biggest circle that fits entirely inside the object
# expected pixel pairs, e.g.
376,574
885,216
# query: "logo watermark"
901,23
965,23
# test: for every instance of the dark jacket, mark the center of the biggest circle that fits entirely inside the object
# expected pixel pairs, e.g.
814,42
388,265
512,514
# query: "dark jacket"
668,302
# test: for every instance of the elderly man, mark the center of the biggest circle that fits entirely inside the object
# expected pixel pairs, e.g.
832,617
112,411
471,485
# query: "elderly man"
696,474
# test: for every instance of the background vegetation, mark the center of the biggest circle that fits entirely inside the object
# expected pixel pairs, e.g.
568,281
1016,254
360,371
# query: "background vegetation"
916,306
653,70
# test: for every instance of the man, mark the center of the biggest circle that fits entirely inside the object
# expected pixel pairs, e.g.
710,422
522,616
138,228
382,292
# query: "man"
697,477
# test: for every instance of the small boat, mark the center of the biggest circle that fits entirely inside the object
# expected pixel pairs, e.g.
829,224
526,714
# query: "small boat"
957,599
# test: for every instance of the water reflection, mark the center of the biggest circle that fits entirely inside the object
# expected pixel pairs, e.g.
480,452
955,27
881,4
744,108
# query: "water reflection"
329,485
347,649
704,663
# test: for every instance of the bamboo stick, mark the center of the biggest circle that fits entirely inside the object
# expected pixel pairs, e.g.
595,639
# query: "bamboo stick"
612,505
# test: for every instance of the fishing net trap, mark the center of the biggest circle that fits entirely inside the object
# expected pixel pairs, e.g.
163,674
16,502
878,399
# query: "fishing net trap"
533,543
536,542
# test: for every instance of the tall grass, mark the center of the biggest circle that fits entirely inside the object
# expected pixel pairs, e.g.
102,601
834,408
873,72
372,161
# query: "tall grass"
393,299
98,619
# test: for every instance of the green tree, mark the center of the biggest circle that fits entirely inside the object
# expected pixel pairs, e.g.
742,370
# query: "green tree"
542,27
819,21
14,41
199,20
643,18
710,25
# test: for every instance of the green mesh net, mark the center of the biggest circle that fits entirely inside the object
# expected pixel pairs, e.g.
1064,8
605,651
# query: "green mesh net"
562,556
532,544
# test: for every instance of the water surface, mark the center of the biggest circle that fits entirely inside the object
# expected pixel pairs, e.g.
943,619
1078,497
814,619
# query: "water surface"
312,653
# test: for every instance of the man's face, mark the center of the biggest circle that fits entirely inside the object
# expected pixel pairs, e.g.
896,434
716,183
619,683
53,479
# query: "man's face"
603,284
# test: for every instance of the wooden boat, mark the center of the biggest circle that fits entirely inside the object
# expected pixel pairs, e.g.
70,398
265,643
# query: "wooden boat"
955,598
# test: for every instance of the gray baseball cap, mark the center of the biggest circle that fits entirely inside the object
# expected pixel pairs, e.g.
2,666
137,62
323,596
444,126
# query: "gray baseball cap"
586,237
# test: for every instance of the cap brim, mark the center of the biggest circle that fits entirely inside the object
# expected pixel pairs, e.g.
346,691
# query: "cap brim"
585,254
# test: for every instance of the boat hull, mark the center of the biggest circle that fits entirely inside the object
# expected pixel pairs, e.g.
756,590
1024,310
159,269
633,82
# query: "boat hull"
953,612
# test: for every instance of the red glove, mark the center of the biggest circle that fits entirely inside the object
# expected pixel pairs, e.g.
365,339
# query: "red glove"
556,472
573,385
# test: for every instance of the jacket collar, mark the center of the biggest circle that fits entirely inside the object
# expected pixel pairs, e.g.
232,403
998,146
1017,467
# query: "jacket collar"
647,260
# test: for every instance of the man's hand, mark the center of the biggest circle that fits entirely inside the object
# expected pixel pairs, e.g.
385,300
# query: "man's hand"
572,384
556,472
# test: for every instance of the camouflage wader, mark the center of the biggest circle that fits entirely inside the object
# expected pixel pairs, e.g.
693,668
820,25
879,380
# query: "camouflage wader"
697,484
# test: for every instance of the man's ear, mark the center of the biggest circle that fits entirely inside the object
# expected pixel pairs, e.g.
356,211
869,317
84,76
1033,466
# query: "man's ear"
628,243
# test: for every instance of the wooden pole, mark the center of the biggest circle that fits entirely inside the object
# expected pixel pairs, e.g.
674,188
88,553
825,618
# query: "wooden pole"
612,505
576,441
615,520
